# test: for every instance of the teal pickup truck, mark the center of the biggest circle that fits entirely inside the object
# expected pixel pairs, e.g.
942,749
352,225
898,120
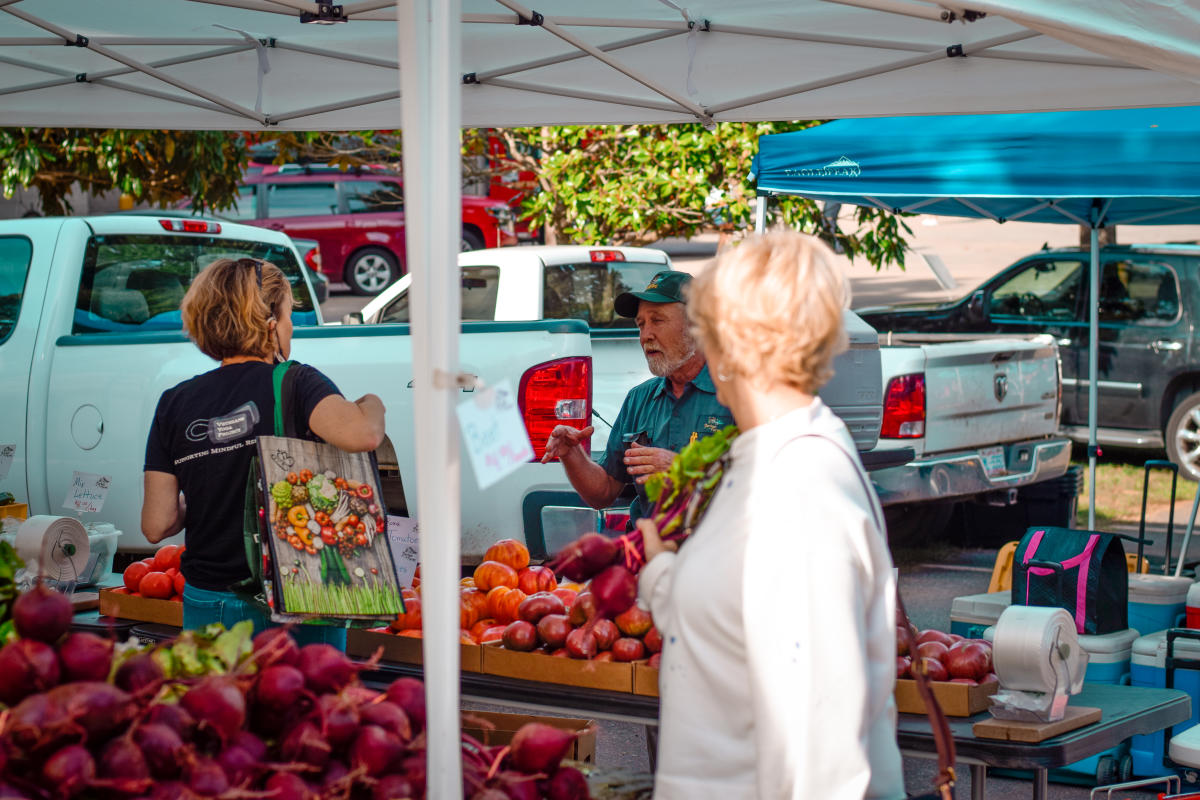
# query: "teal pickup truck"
90,335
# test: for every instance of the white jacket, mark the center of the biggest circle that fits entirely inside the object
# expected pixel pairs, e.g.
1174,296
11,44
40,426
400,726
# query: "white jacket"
778,621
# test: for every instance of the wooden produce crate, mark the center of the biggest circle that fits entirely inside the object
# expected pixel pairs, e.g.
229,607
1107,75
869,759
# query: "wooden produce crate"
611,675
645,679
507,725
362,643
123,605
956,699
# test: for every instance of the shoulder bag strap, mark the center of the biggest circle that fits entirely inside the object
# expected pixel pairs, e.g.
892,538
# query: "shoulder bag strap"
943,739
281,383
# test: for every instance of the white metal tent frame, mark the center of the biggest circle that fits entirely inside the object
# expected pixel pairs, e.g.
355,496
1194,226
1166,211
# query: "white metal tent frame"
663,102
80,63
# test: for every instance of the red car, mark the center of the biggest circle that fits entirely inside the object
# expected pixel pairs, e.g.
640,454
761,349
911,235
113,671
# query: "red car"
357,216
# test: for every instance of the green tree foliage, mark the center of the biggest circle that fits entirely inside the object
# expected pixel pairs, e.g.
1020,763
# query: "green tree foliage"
157,167
635,184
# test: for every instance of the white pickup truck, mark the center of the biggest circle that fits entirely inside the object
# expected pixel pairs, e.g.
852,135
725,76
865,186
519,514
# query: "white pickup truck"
981,415
90,335
580,282
960,419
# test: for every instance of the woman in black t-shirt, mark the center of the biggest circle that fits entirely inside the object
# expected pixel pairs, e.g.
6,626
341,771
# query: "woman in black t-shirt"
201,441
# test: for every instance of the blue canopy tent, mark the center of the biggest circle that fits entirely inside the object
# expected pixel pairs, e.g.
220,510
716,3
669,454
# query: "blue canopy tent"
1091,168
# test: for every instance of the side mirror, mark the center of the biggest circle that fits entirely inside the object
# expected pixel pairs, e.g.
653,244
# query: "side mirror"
353,318
975,313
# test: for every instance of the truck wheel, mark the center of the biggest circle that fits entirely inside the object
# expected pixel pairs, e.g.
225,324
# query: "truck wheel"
471,240
1183,436
371,270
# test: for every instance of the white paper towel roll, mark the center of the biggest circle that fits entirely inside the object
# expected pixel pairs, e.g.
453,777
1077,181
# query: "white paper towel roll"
53,547
1022,649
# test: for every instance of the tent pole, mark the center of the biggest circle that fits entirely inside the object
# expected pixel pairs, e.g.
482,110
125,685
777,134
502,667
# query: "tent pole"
430,97
760,213
1093,364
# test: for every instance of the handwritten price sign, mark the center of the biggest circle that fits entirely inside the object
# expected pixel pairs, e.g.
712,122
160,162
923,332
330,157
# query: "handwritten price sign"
494,433
88,492
404,536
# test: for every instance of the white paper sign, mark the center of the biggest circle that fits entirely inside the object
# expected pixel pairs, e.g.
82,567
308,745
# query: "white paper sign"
494,433
7,452
88,491
404,537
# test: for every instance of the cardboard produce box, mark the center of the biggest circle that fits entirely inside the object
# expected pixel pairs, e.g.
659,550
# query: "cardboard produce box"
362,643
507,725
611,675
123,605
956,699
645,679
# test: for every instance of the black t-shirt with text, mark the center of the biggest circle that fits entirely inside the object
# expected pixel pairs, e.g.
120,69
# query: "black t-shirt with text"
204,433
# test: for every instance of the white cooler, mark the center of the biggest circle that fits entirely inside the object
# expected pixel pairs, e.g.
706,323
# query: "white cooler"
1108,656
1157,602
971,614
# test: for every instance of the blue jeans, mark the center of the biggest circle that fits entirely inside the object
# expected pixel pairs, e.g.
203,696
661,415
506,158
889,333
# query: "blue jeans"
201,607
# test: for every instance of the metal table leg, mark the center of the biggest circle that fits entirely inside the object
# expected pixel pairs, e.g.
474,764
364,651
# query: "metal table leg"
652,746
1041,784
978,782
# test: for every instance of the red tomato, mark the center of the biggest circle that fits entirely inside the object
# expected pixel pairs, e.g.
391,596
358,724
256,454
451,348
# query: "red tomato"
157,585
509,552
493,634
932,650
491,574
411,618
166,557
531,580
482,625
179,583
133,575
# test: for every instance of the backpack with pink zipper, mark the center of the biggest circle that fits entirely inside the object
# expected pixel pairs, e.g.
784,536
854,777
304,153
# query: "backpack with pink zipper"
1082,571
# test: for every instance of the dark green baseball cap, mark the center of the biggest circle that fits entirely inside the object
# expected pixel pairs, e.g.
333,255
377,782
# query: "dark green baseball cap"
664,287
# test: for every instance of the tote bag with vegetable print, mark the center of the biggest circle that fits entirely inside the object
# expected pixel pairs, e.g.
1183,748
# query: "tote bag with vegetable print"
316,529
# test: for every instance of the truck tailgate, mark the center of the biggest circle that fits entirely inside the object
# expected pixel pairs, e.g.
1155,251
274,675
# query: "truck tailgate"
989,391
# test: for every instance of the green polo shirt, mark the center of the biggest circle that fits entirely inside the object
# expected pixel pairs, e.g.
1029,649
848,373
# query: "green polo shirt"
668,421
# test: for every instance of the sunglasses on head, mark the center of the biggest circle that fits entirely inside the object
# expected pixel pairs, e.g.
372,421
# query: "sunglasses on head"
252,262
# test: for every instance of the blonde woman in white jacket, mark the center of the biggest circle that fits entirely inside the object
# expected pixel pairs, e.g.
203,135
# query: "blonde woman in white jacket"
778,612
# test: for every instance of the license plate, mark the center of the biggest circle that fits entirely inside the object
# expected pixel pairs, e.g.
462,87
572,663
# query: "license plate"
993,461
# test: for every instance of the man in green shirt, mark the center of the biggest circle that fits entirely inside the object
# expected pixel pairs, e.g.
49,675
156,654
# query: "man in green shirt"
660,416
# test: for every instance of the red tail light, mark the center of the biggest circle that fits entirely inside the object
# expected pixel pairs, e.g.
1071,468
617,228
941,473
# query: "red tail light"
904,408
313,259
601,256
556,393
189,226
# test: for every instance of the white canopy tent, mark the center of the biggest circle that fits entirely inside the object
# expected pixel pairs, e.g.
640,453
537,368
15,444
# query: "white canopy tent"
253,65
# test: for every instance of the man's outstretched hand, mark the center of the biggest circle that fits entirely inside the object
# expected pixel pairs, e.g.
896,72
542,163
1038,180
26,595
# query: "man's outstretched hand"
563,439
642,462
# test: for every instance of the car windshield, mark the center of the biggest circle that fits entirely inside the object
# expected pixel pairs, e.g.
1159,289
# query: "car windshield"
133,282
